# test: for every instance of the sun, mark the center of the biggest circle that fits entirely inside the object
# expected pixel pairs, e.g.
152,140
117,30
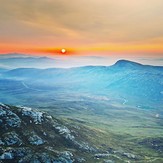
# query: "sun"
63,51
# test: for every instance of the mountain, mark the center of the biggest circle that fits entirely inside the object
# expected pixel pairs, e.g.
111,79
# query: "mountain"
29,135
125,80
12,55
27,59
121,65
17,61
125,64
91,114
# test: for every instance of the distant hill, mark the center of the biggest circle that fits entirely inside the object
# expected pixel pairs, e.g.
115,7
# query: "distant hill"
12,55
134,65
126,63
27,62
125,79
18,60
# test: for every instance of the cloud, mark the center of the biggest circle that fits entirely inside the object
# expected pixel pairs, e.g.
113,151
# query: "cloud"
82,22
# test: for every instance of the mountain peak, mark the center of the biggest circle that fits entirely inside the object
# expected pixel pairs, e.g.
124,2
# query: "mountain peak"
125,63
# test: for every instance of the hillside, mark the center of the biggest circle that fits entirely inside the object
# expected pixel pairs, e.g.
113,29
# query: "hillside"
125,80
102,114
29,135
16,61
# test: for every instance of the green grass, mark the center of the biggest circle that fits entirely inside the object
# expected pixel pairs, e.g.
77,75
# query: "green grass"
116,129
105,125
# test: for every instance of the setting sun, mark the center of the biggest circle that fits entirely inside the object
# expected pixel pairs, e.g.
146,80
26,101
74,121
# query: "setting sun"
63,51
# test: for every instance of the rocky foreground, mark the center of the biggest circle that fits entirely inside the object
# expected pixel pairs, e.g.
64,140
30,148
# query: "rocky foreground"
32,136
28,135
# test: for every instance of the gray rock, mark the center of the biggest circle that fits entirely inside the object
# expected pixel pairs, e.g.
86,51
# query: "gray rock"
14,121
8,118
2,111
66,133
20,152
35,140
101,155
25,121
30,158
80,160
84,146
129,155
12,138
6,155
35,115
1,142
63,130
66,154
4,106
45,158
65,157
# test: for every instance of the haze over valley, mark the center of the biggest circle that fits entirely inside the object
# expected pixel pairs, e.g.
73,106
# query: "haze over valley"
121,104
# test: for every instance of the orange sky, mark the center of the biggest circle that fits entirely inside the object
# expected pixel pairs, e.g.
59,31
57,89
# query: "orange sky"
83,27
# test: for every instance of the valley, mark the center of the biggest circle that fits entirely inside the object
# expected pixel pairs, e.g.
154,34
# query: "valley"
117,109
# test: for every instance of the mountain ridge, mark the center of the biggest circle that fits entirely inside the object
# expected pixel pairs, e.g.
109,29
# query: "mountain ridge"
131,81
119,63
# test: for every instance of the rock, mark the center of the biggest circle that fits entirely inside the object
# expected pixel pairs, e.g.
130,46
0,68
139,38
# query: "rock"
63,130
66,154
1,142
35,140
29,158
11,138
65,157
44,133
6,156
83,146
28,135
8,118
108,161
66,133
129,155
101,155
80,160
4,106
20,152
13,121
2,111
35,115
1,150
45,158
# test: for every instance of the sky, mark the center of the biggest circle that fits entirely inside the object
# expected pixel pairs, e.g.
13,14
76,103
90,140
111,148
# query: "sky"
122,28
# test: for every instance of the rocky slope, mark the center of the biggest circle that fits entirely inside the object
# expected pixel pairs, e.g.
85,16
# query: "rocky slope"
32,136
28,135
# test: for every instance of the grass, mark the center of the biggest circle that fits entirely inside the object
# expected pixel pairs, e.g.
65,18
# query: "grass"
105,125
117,129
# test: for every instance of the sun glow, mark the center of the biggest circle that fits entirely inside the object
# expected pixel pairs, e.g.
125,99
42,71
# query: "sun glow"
63,51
